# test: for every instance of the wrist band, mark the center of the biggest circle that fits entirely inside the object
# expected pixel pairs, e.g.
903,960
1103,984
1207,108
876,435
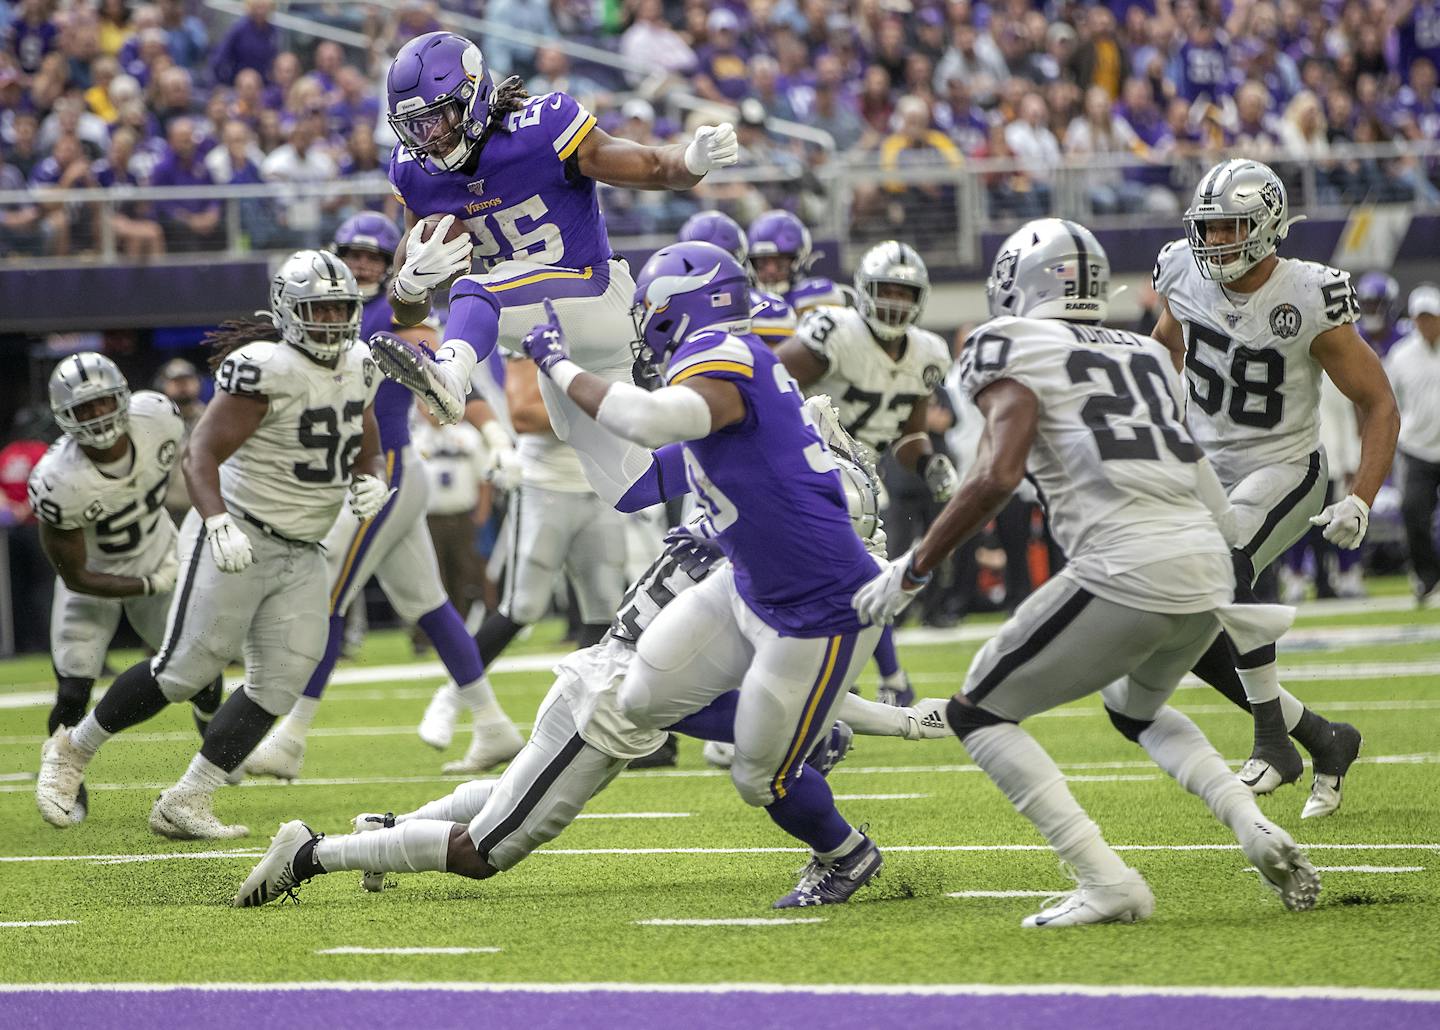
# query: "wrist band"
914,576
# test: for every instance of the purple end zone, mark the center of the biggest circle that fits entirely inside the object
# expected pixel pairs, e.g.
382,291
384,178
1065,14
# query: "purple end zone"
537,1010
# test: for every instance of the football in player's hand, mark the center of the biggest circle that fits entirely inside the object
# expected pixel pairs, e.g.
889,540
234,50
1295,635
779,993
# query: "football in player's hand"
429,222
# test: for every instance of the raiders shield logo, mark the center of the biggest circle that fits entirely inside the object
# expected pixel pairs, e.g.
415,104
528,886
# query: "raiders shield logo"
931,376
166,455
1285,321
1005,269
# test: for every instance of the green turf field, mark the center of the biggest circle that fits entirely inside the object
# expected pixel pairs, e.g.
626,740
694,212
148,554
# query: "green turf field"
574,911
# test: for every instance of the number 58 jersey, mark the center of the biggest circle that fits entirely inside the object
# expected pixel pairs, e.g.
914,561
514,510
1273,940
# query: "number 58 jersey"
1254,386
1116,470
293,471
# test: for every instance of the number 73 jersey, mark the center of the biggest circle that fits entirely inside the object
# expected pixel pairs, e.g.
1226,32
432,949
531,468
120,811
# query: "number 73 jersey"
1116,470
293,471
1254,388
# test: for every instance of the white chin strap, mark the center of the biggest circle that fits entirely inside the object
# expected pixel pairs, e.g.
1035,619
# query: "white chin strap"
455,158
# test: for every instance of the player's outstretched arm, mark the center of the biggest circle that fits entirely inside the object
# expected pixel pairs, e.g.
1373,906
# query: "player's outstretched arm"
678,166
807,367
914,451
66,550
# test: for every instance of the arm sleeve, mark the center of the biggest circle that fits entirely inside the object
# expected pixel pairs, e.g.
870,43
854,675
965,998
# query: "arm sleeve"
664,480
669,415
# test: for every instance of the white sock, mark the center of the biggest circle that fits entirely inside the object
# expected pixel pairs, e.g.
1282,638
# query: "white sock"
479,697
1035,786
872,719
1261,683
301,716
1177,746
88,736
459,806
416,847
848,845
203,775
895,679
1291,707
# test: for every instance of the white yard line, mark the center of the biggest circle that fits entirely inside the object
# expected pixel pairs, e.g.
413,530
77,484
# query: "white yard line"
634,815
1007,894
38,922
777,921
357,950
827,990
880,797
1360,869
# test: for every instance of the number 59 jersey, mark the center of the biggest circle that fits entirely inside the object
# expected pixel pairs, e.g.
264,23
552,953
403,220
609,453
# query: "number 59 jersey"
127,529
1116,470
292,473
1254,386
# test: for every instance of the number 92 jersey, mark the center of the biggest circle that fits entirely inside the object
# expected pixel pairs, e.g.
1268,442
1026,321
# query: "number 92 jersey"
1254,386
873,392
293,471
127,529
1116,469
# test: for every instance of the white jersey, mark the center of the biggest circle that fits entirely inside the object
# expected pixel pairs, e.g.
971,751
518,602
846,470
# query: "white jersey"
293,472
127,530
1254,386
456,462
873,392
548,463
1112,461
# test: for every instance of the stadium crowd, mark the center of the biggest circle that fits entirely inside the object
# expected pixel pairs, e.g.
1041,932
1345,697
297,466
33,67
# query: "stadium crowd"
106,92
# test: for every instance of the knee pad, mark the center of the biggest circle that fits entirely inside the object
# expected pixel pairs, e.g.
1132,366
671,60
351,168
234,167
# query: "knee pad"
1130,728
753,785
633,697
965,718
72,698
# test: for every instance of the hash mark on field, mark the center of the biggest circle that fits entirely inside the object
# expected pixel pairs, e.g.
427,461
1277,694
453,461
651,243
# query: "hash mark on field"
634,815
39,922
1358,868
1004,894
355,950
1109,779
880,797
776,921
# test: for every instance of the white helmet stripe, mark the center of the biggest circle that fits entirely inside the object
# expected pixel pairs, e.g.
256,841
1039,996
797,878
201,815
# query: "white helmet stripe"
662,288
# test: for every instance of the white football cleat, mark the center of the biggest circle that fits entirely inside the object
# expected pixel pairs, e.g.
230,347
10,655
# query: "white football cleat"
372,881
1128,901
1324,797
491,744
280,755
925,720
273,876
1331,762
185,815
719,754
437,725
1282,865
61,779
1263,776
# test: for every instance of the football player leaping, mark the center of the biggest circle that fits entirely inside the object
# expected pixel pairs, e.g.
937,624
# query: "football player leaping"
521,173
99,495
289,434
1253,331
1093,414
580,742
395,546
881,368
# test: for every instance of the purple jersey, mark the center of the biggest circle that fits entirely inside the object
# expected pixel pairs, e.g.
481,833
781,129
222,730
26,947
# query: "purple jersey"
1419,35
771,318
1423,111
813,292
392,401
525,200
1204,70
773,492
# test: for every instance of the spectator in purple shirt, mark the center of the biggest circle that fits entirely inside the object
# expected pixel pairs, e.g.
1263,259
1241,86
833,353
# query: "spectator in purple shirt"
1417,104
960,118
720,62
138,236
32,35
353,104
1203,68
252,42
174,96
285,71
20,231
189,224
189,42
66,225
23,149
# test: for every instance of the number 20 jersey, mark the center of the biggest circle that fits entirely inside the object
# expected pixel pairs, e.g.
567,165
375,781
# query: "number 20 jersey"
1115,468
293,472
127,529
1254,387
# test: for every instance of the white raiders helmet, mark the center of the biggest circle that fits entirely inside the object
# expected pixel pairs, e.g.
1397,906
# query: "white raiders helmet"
1050,268
895,263
79,381
1249,196
309,282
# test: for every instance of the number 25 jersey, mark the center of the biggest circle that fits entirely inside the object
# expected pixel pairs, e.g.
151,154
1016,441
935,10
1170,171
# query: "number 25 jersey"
1254,388
1115,468
293,471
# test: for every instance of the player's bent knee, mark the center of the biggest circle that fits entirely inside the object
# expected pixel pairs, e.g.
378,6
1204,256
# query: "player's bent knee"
635,698
1130,728
462,859
965,718
755,786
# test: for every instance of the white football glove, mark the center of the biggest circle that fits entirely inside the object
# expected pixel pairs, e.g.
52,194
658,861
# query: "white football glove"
367,496
940,476
229,545
505,471
1345,522
429,263
162,580
884,597
925,720
714,146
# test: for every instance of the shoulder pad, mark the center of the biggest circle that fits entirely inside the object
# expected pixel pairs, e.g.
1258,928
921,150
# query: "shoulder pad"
711,353
1170,265
564,121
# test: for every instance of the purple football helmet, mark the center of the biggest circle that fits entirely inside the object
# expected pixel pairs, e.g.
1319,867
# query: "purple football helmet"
683,288
439,91
779,234
720,229
370,231
1379,297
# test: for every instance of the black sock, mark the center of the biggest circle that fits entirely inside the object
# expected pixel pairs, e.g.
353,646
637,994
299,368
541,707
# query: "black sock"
134,697
1217,668
72,699
305,865
235,731
591,632
205,704
1312,731
494,636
